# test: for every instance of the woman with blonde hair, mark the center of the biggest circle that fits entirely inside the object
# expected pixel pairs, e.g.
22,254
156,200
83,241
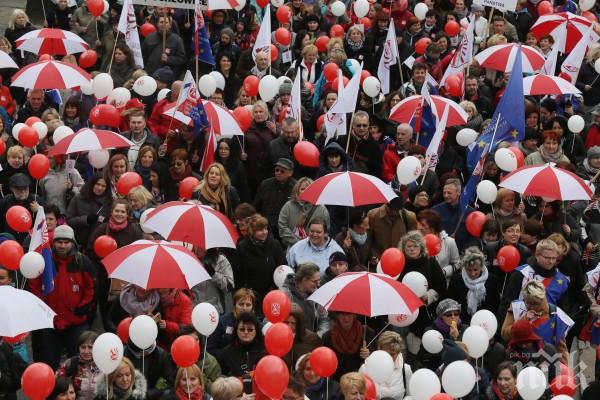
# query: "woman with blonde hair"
215,190
475,119
227,388
124,383
189,384
140,199
353,386
317,388
17,26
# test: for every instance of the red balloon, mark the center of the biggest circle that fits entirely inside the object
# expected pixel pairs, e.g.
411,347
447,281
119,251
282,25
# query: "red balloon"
475,222
307,154
590,16
276,306
187,186
330,71
366,21
336,31
421,45
453,85
564,384
272,376
15,339
45,57
38,166
32,120
104,245
37,381
105,114
283,36
123,329
96,7
251,85
364,75
19,218
128,181
283,14
544,7
370,388
320,121
243,117
566,370
442,396
10,254
279,339
185,351
262,3
452,28
508,258
519,154
433,244
88,59
323,361
392,261
28,136
147,28
2,147
321,43
336,83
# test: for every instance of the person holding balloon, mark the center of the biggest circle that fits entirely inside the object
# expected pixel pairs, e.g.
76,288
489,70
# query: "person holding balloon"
316,386
305,340
60,184
511,234
124,383
81,369
429,222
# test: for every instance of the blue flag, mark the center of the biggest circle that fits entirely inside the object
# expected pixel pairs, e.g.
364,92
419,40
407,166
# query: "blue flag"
198,115
202,43
425,128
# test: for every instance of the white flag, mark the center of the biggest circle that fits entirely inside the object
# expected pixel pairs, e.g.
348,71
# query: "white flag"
188,98
389,57
128,27
549,67
463,54
296,102
263,39
434,146
348,95
572,63
335,118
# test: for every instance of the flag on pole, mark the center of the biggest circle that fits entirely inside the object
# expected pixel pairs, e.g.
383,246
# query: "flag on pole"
128,27
263,39
572,63
40,243
463,54
423,120
431,155
389,57
295,109
188,98
335,118
202,49
549,67
209,151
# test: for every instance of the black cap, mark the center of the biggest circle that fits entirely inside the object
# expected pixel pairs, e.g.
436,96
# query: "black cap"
19,180
338,256
165,75
285,163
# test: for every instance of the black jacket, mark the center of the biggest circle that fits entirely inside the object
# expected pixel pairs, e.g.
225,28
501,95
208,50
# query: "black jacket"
6,203
157,364
491,251
270,198
237,360
11,369
457,290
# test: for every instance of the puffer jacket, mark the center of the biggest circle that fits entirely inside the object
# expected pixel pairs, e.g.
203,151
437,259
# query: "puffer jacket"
315,316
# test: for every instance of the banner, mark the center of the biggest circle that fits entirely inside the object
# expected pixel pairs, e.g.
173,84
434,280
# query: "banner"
128,27
188,4
502,5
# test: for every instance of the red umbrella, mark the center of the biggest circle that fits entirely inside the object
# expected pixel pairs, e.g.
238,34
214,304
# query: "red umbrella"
50,74
547,84
366,293
51,41
405,110
154,264
221,120
192,223
563,25
87,139
348,189
501,57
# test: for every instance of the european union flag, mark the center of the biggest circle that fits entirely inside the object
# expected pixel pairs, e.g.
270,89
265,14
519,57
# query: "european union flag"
424,126
202,43
198,115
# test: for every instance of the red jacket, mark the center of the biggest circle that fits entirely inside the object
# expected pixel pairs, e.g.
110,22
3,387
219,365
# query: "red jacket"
592,138
7,101
178,316
73,294
158,123
391,158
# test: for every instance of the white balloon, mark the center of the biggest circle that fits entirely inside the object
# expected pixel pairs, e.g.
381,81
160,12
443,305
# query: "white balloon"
371,86
476,339
106,7
586,5
424,384
380,270
16,128
119,97
32,265
576,123
420,11
506,160
266,327
143,219
87,88
432,341
219,78
416,282
466,136
379,366
102,85
354,64
61,132
338,8
531,383
162,93
402,320
408,170
41,129
107,352
458,379
597,66
98,158
143,331
145,85
361,8
205,318
277,3
240,5
487,191
280,274
207,84
268,87
487,320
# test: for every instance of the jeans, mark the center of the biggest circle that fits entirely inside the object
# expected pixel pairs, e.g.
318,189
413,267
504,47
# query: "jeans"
48,344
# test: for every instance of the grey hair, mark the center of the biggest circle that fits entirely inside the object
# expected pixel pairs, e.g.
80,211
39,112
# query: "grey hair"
13,17
416,237
361,114
472,254
305,271
454,182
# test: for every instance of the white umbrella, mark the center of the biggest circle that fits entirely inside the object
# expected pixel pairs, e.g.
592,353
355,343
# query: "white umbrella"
6,61
21,311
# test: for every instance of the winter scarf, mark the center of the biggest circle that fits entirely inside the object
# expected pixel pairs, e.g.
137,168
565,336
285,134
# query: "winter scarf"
355,46
444,329
592,171
555,157
501,396
197,394
476,293
214,196
133,306
359,238
347,342
116,226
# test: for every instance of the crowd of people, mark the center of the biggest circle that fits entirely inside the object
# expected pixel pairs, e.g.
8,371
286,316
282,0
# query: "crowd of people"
547,309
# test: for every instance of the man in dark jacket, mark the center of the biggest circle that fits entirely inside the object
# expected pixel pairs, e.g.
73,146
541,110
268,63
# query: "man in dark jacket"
33,107
140,135
453,221
156,364
172,53
282,147
363,149
19,185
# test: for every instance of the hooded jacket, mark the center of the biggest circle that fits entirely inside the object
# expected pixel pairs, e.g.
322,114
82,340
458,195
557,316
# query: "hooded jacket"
335,148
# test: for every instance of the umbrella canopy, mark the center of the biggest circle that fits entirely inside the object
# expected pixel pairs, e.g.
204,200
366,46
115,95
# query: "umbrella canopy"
405,110
87,139
154,264
192,223
560,26
366,293
221,120
547,84
6,61
51,41
50,74
22,311
501,57
547,181
348,189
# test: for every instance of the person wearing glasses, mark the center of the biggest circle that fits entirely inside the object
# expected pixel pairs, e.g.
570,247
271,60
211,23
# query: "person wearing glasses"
363,149
246,349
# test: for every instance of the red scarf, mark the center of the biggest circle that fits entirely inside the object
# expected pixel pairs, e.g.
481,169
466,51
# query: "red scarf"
197,394
501,396
347,342
115,226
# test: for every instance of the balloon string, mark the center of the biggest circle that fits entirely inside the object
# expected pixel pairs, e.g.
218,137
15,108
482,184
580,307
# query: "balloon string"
204,355
477,375
327,388
106,376
187,383
143,351
504,284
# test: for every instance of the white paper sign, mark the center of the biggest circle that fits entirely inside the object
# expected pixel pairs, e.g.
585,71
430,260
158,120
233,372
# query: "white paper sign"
502,5
188,4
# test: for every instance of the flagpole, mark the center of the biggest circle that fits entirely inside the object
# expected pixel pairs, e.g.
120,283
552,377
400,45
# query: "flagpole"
113,52
350,132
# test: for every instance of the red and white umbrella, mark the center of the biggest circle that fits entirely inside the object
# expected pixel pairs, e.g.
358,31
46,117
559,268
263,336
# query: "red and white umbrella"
406,109
6,61
87,139
192,223
501,57
366,293
50,74
221,120
560,26
547,84
51,41
154,264
350,189
547,181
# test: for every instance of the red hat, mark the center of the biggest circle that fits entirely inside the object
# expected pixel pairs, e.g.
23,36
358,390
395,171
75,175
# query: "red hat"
134,103
522,332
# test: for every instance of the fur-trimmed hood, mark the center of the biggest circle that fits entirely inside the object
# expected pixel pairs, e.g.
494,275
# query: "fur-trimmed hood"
140,387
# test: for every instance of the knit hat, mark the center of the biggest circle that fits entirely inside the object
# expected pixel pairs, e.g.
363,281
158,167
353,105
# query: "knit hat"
285,88
593,152
64,232
451,352
522,332
447,305
338,256
227,31
164,74
19,180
